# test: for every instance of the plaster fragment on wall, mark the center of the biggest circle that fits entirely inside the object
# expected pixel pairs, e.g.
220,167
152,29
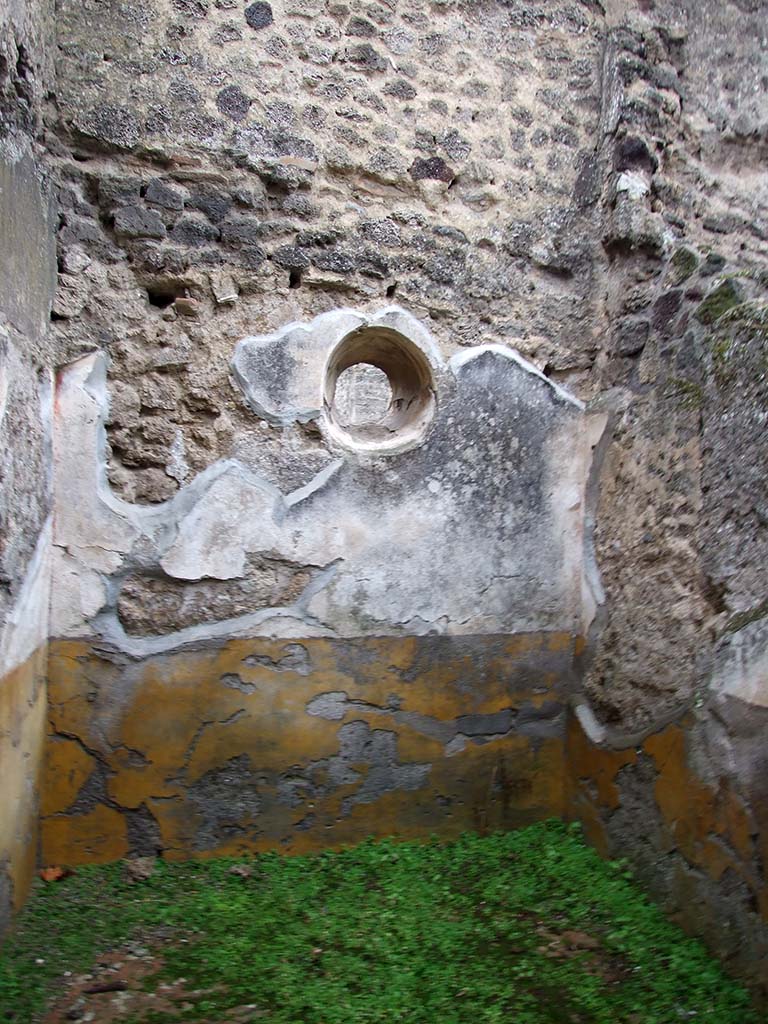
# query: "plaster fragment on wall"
227,800
95,518
486,725
295,659
359,745
234,682
332,706
177,466
79,594
214,538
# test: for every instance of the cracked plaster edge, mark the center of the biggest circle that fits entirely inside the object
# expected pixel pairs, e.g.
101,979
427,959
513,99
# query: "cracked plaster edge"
105,631
317,483
159,523
460,359
256,341
268,623
106,627
607,737
148,518
153,522
442,731
328,330
26,627
393,317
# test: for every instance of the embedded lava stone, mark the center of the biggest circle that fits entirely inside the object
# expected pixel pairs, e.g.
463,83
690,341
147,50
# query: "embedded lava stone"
136,222
665,308
160,194
194,232
110,125
435,167
360,27
366,58
259,15
290,257
400,89
233,102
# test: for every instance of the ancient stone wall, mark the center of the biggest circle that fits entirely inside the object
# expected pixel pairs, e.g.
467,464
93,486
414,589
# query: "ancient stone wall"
680,528
229,169
256,200
388,648
684,227
27,281
297,601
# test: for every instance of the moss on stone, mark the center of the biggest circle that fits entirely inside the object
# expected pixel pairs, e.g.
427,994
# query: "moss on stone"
684,262
721,346
722,298
751,317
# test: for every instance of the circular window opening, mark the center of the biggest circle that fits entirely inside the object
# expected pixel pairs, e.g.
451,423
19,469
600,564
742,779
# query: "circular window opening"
378,390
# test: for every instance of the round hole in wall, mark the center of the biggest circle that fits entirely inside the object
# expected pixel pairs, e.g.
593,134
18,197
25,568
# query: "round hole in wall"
379,392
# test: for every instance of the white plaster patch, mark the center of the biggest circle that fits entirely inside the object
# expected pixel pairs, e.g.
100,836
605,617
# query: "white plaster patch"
100,559
281,375
236,515
26,626
461,359
634,184
178,467
87,514
78,594
741,664
589,723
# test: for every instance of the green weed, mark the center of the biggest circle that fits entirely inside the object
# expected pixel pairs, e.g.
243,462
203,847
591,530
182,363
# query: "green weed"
528,927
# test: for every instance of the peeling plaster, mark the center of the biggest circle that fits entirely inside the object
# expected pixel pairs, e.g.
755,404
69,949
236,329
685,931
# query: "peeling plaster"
480,528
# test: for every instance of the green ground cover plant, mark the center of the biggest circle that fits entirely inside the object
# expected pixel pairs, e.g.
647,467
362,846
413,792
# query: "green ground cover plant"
528,927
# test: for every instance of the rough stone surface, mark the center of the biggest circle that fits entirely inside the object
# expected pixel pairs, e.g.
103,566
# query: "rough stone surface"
27,354
679,433
150,605
349,186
